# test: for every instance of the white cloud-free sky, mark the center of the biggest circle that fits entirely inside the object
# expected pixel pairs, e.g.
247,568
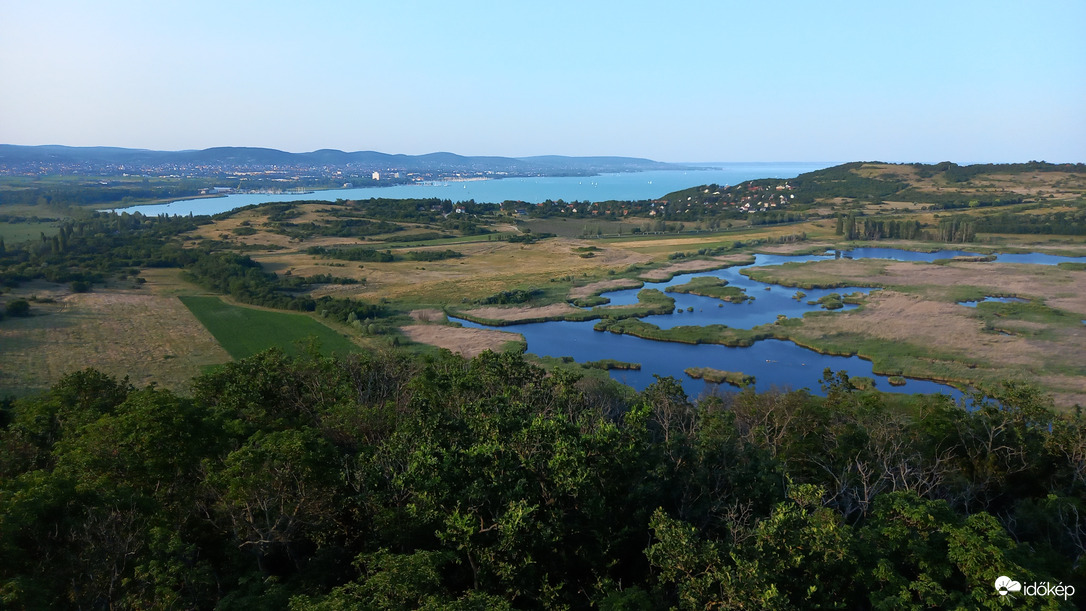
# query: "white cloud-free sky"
786,80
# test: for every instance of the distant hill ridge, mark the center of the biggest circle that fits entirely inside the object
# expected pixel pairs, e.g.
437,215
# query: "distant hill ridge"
253,156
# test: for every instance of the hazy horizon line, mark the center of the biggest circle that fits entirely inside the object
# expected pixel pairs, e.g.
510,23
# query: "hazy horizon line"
507,156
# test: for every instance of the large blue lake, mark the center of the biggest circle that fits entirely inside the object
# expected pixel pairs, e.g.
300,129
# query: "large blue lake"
625,186
774,363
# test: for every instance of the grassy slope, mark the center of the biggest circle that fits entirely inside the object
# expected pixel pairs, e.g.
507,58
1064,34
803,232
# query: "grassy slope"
244,331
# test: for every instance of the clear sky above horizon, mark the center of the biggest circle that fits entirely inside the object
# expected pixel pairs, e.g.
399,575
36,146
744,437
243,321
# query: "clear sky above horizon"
966,81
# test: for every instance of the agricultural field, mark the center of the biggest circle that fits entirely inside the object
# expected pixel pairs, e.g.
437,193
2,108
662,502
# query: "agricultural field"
243,331
123,332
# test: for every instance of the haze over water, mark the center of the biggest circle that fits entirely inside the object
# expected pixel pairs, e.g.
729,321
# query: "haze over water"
531,189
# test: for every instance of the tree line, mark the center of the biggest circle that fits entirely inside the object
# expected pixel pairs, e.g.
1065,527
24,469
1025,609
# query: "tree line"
957,173
89,251
1071,222
962,228
855,227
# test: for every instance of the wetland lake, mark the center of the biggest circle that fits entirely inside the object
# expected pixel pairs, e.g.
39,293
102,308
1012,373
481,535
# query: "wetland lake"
773,363
529,189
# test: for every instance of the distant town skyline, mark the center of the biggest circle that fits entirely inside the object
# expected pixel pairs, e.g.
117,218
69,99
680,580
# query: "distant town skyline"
968,81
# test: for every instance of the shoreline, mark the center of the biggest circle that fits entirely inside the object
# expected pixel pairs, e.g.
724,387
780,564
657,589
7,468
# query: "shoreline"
750,169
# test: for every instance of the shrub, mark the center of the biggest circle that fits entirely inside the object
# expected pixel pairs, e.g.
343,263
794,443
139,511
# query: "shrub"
18,307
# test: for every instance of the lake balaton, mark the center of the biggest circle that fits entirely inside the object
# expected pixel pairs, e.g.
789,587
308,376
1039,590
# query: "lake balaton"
628,186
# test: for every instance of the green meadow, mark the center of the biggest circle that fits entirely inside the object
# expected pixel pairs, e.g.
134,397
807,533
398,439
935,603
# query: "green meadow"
243,332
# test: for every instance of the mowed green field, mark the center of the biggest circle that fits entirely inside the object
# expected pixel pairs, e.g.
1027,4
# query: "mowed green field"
243,332
16,233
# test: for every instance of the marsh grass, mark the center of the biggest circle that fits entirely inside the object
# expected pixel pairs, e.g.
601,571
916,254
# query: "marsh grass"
709,286
650,301
589,302
709,334
862,382
896,358
825,274
609,364
1046,323
719,376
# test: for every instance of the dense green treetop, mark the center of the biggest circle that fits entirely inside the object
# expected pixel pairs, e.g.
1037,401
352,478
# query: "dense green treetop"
388,481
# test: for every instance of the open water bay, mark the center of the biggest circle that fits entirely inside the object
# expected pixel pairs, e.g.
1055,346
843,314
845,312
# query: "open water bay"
630,186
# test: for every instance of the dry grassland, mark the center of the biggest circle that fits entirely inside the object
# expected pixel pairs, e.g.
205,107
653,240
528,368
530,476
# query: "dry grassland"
788,249
659,248
224,229
519,313
486,268
1061,244
928,316
1058,184
167,282
213,230
1071,391
886,171
594,288
1060,288
461,340
896,206
696,265
896,317
951,328
428,316
672,244
151,338
1046,210
1048,282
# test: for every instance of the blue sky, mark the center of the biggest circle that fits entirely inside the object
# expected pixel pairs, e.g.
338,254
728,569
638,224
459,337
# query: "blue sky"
686,81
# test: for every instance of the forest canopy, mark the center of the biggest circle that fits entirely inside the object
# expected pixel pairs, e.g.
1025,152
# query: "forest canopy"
391,481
